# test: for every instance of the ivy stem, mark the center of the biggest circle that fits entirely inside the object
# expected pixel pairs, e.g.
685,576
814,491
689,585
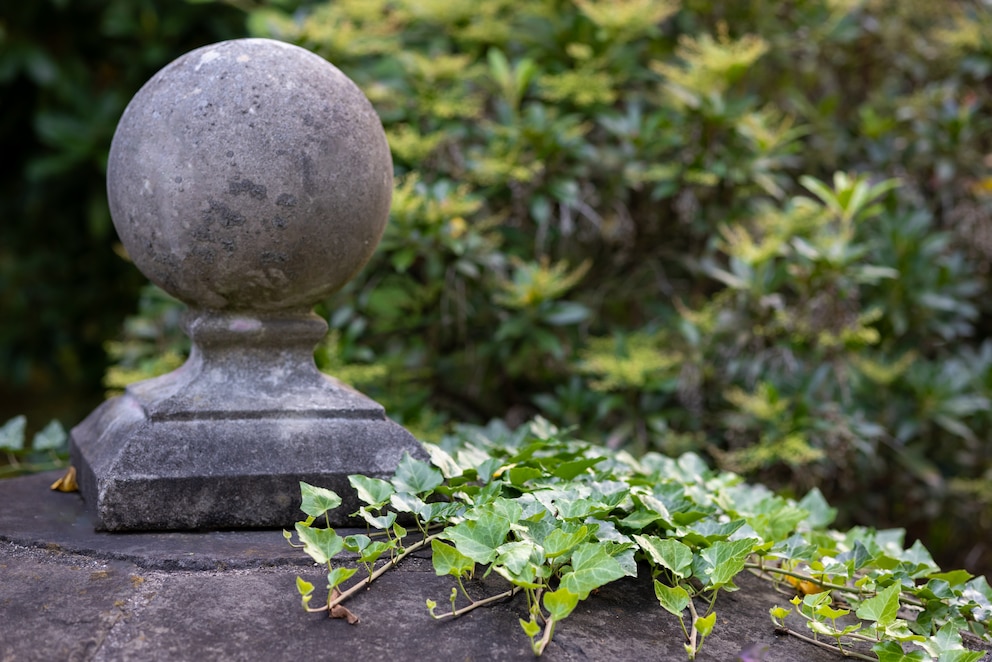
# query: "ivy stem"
829,647
801,576
462,587
904,599
549,631
479,603
693,632
391,563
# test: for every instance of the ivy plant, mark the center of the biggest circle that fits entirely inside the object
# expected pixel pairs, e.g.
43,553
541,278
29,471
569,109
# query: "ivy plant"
48,448
557,518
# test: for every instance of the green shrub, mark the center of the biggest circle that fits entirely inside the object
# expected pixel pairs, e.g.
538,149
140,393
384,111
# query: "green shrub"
625,216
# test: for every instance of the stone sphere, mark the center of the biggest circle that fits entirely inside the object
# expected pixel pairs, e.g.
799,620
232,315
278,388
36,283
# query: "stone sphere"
250,175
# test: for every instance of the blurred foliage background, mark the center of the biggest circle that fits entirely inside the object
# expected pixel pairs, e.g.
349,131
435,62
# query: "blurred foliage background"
760,230
67,69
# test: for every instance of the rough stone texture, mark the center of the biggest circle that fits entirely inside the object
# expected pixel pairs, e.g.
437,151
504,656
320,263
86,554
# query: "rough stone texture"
69,593
249,174
250,179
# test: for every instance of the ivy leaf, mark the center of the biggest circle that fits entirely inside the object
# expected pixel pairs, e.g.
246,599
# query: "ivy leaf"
655,506
796,548
377,521
704,624
441,510
569,470
443,461
520,475
303,586
961,656
525,578
415,477
51,437
624,554
320,544
478,539
883,607
821,515
563,540
639,519
667,552
12,433
722,560
891,651
560,603
507,508
856,558
953,577
674,599
578,509
827,611
516,555
778,613
374,550
317,500
592,567
947,647
531,628
338,575
778,523
449,561
405,502
373,491
711,530
356,543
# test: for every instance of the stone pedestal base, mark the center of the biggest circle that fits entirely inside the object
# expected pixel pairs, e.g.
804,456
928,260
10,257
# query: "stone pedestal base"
224,441
144,474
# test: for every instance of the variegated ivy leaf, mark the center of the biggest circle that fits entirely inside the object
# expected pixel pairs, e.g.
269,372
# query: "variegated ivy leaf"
415,477
320,544
479,538
449,561
317,500
592,567
371,491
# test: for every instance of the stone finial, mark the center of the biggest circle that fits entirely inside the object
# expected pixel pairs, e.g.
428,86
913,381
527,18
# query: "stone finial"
250,179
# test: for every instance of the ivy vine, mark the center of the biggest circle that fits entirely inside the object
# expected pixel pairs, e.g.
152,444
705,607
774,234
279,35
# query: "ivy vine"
558,517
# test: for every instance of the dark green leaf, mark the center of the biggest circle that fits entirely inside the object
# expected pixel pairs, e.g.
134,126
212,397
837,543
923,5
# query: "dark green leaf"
891,651
569,470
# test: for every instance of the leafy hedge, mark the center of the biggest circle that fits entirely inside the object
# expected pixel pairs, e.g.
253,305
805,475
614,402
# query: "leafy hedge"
758,230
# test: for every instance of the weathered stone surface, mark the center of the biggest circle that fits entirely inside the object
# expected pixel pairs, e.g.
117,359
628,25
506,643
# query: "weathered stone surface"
250,179
70,593
249,174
